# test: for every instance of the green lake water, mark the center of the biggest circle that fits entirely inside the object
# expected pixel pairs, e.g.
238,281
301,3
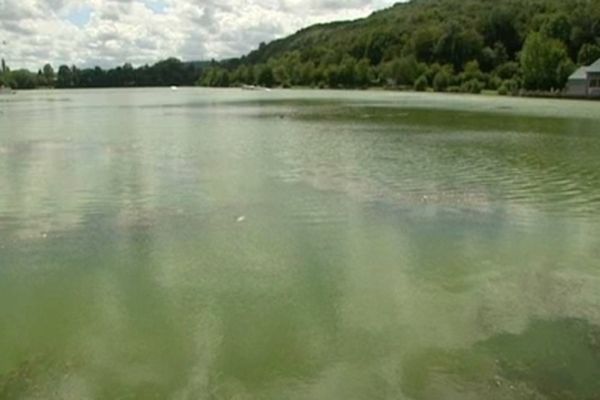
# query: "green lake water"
223,244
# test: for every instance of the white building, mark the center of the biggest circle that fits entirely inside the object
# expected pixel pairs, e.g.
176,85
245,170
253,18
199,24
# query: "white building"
585,82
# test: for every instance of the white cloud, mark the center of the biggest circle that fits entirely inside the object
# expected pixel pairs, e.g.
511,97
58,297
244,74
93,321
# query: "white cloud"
111,32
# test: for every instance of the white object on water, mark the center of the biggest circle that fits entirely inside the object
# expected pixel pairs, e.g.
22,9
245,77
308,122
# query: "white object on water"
256,88
174,88
241,218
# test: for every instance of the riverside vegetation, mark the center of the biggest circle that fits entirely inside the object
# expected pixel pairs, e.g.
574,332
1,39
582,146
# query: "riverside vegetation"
444,45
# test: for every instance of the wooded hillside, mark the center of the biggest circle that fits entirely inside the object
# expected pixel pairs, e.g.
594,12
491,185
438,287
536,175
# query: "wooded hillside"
457,45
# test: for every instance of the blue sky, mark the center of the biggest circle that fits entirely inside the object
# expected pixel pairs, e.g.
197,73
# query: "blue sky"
80,16
157,6
112,32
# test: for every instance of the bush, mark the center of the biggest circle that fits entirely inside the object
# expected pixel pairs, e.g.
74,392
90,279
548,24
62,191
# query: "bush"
473,86
509,87
507,70
454,89
503,90
421,83
472,71
441,81
494,83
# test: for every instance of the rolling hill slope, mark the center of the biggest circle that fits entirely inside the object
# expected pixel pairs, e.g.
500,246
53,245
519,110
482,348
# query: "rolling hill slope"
423,38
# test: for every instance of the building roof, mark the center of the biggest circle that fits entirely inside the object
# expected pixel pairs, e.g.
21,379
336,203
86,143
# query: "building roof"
595,67
581,73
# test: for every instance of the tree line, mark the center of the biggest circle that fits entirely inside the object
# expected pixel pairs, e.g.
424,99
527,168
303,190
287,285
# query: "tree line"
169,72
443,45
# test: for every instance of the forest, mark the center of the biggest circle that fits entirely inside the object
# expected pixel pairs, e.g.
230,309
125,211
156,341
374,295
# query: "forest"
168,72
507,46
444,45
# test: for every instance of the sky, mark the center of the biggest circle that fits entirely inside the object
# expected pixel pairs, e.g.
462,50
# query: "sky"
112,32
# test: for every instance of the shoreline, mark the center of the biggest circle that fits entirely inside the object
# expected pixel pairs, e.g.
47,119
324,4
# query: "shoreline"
484,93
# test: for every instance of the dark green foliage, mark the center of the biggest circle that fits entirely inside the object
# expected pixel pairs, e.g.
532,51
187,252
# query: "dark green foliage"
502,90
507,70
169,72
217,77
457,46
48,74
424,41
403,71
265,76
441,81
473,86
557,26
362,74
509,87
499,26
472,72
441,41
491,58
23,79
421,84
65,77
557,359
588,54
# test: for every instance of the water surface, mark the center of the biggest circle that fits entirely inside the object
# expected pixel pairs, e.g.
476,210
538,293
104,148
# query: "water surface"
224,244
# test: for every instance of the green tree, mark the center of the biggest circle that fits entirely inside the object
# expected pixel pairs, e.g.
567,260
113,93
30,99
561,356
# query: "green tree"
48,73
588,54
472,86
500,26
424,41
332,76
362,72
441,81
457,46
128,75
64,78
557,26
404,71
377,44
507,70
544,62
265,76
347,72
421,83
24,79
493,57
472,71
307,74
280,75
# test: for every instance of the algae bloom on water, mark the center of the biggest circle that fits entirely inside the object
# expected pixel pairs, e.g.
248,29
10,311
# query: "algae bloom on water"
298,244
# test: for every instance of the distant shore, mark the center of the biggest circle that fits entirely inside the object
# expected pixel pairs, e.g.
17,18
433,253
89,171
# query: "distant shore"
484,93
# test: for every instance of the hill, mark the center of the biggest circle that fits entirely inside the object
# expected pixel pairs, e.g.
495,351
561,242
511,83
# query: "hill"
463,45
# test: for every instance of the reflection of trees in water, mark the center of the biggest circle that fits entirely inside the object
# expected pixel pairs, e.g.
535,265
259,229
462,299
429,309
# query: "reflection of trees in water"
555,359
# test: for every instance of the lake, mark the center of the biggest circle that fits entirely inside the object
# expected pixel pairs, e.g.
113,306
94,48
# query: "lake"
229,244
